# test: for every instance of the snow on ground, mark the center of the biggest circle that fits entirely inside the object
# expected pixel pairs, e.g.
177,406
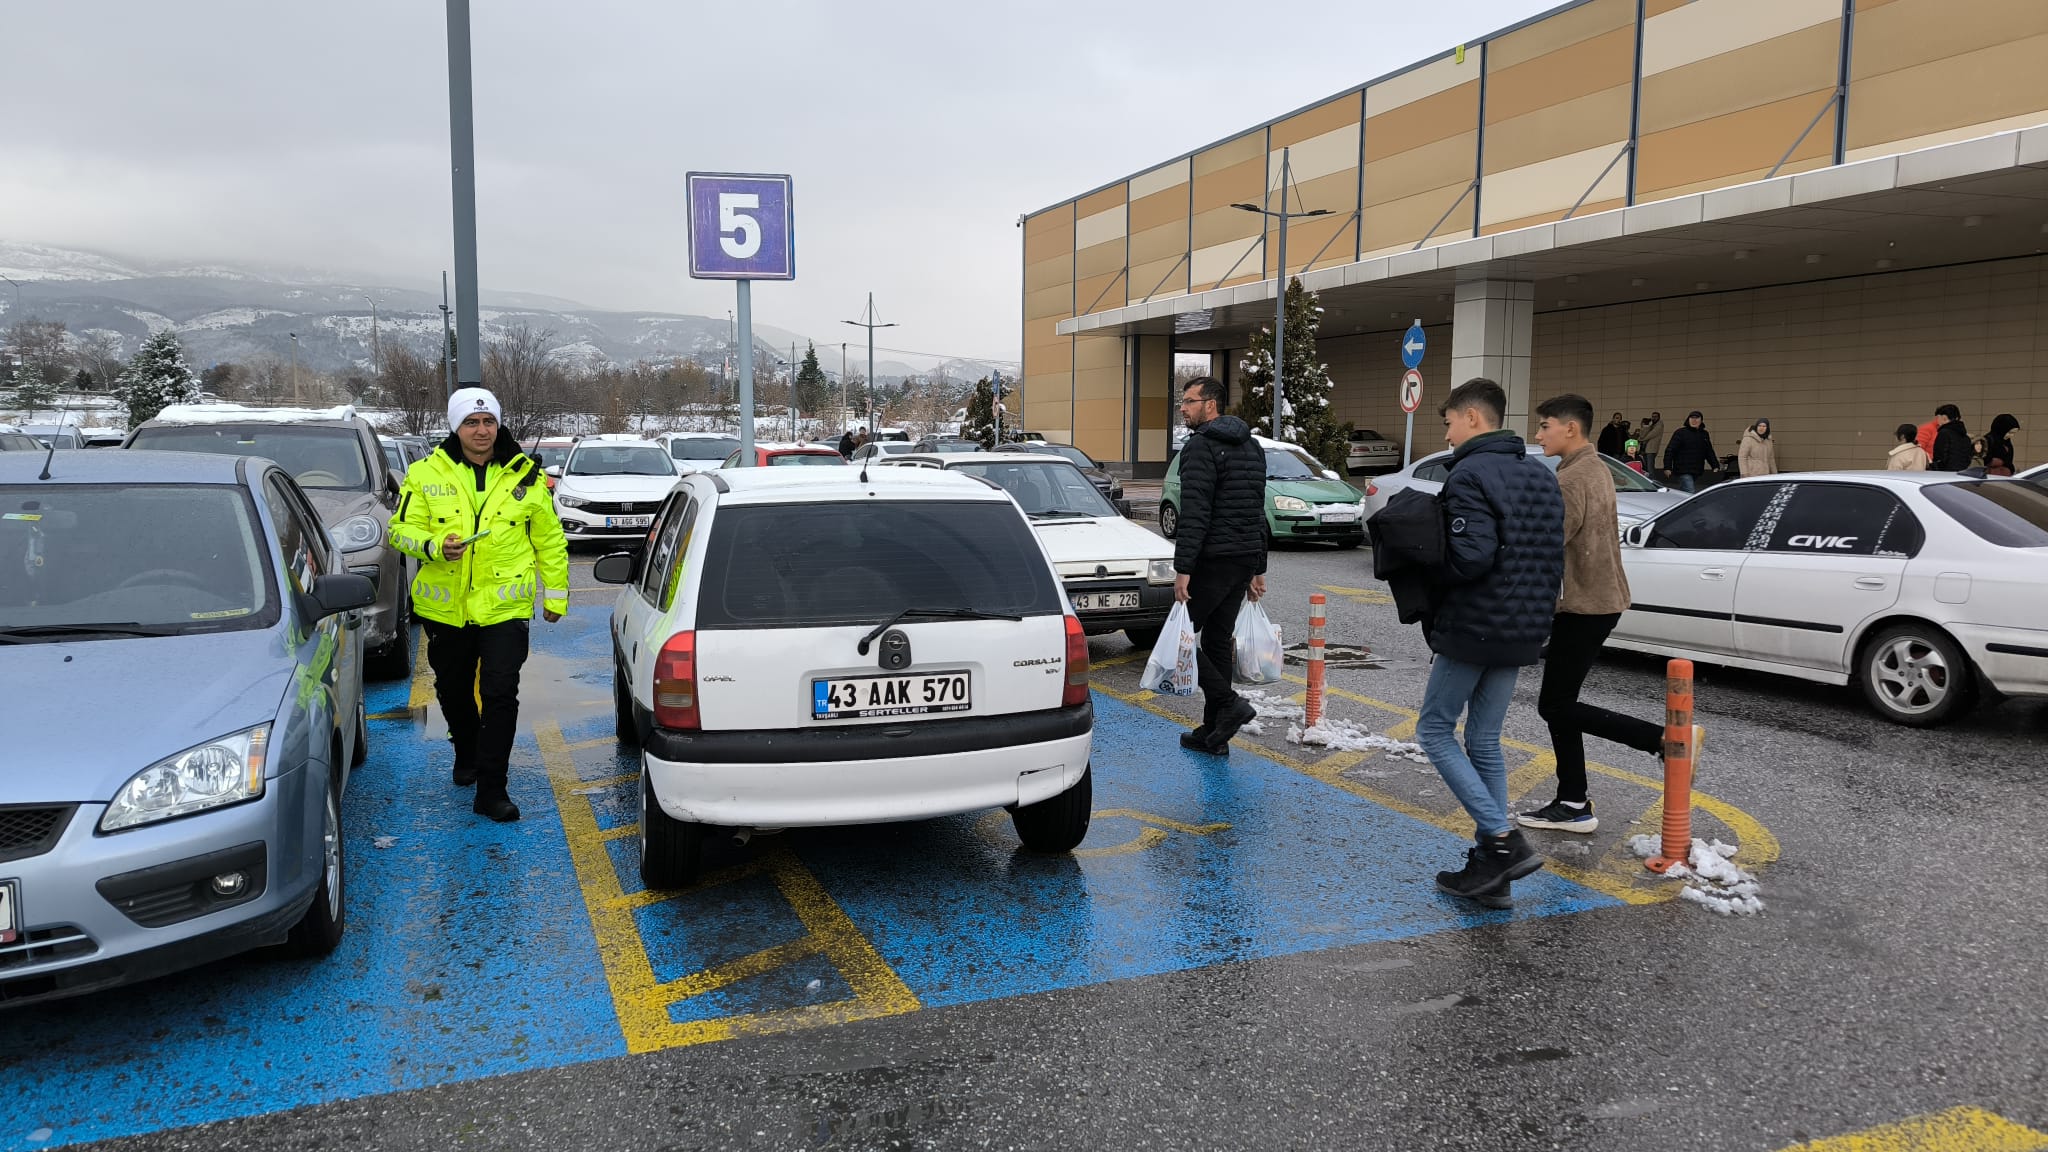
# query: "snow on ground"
1332,733
1712,880
155,322
230,318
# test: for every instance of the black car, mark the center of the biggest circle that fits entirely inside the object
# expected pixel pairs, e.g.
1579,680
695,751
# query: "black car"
947,445
1111,488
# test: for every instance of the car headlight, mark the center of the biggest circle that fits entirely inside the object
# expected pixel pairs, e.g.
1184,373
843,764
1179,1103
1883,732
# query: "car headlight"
568,501
224,771
357,533
1290,504
1159,572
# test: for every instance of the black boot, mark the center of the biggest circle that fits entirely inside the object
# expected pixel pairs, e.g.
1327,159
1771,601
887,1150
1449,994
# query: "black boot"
1482,880
1235,715
493,802
1199,740
1513,855
464,775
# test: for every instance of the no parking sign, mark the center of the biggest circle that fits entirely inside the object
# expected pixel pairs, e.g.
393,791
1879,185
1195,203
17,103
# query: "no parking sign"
1411,391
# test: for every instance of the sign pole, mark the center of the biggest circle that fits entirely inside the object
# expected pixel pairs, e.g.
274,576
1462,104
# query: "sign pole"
1413,344
746,323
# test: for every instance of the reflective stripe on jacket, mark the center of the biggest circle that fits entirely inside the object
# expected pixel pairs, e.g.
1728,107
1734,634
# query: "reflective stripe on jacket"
498,575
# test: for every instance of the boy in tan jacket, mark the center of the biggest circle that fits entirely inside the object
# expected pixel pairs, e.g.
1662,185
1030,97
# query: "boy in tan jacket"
1594,596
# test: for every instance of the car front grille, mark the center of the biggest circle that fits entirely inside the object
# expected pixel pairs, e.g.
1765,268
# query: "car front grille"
31,830
37,946
622,508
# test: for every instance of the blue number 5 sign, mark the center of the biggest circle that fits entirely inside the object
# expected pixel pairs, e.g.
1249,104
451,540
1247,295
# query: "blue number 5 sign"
742,227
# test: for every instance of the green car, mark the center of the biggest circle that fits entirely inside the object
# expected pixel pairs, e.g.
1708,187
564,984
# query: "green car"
1304,500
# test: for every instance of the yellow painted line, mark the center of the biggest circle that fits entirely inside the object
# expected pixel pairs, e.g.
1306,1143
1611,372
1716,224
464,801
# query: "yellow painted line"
401,714
1527,778
642,1002
1148,837
422,676
1163,822
598,742
1360,595
1956,1130
1154,833
1114,661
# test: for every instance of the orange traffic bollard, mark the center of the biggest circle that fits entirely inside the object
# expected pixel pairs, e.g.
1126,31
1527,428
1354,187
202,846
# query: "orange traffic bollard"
1677,767
1314,710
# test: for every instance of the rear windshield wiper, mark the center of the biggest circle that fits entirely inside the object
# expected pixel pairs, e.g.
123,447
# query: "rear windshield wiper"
934,613
133,628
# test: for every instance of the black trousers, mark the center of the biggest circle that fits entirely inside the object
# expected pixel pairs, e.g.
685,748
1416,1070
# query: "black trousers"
1575,641
467,661
1216,591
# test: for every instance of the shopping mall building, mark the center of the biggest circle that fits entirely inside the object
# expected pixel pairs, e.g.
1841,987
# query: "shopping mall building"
1830,213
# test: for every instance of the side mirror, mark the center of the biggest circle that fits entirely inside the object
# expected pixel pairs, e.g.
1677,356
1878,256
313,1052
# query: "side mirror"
554,470
392,482
341,592
1329,475
614,568
1636,535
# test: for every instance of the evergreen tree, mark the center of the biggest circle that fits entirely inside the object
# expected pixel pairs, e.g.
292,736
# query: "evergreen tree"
32,392
980,425
155,378
1307,421
813,390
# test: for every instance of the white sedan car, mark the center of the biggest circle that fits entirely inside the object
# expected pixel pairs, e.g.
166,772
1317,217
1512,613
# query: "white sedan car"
1118,575
610,487
1636,496
1922,587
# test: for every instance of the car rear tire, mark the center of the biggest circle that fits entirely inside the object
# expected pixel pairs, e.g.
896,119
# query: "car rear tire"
1169,520
362,751
1914,675
1348,545
1143,638
624,725
1057,823
671,850
319,931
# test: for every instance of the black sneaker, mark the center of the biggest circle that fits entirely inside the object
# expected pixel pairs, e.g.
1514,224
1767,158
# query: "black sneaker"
1481,880
1235,715
1561,817
496,805
1512,855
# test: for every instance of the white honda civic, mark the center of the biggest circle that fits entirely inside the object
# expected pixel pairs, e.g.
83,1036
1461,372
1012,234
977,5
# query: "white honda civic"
1925,588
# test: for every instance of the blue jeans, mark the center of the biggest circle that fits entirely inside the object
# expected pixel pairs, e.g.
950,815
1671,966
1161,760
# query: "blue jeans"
1476,773
1686,482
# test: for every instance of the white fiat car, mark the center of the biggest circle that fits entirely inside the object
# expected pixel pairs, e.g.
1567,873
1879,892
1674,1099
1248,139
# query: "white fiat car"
1922,587
808,646
610,487
1118,575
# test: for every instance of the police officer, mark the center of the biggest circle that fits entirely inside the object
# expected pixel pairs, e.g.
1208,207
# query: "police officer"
476,514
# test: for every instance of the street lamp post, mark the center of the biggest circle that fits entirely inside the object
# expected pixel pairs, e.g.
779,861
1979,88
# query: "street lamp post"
295,368
1280,285
870,324
17,295
376,346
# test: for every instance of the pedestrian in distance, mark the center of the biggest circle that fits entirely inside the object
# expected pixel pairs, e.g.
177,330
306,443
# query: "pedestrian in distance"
1690,454
1928,431
1651,433
1906,455
1614,437
1594,595
846,444
1952,451
1503,566
477,517
1757,455
1219,556
1632,455
1999,459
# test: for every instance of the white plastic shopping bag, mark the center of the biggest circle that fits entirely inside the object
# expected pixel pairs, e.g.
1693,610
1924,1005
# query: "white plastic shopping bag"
1171,670
1260,654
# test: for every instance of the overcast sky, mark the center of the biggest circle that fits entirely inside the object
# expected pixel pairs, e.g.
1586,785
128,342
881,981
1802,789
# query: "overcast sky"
316,134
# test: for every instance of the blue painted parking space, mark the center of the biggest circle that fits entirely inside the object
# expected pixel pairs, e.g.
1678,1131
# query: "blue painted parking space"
477,949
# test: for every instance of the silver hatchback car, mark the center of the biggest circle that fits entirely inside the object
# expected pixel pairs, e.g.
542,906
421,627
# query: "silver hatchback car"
180,641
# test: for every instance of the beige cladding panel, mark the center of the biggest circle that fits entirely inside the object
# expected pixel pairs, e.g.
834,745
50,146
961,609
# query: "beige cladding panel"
1048,234
1553,184
1401,223
1421,83
1566,74
1049,273
1333,151
1908,33
1318,121
1999,88
1422,169
1557,31
1710,28
1209,162
1559,129
1099,228
1055,301
1158,180
1100,201
1158,279
1725,149
1149,212
1165,241
1226,223
1337,192
1209,266
1820,157
1091,262
1239,182
1098,428
1099,292
1763,73
1422,122
1335,237
1586,209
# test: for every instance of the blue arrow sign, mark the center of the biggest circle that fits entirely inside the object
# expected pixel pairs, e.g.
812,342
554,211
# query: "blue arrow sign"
1412,346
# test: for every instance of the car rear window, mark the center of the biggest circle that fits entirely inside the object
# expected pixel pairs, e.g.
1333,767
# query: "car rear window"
820,565
805,459
702,448
2010,514
319,458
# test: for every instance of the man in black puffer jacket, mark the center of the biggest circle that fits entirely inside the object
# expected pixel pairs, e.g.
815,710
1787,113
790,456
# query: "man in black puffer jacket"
1503,567
1219,555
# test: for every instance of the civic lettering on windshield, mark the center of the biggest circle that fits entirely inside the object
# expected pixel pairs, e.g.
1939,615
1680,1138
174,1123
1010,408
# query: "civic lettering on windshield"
1831,542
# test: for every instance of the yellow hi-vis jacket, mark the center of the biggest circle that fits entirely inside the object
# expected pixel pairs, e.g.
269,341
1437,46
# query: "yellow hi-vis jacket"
495,578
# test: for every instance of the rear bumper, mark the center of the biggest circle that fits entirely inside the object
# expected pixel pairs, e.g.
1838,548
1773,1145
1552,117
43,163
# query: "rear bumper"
1305,526
2014,661
868,774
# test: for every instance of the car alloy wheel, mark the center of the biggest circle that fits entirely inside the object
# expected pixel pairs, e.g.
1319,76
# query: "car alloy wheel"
1914,674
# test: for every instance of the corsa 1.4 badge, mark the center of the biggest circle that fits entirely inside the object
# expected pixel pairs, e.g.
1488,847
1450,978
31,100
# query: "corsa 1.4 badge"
742,227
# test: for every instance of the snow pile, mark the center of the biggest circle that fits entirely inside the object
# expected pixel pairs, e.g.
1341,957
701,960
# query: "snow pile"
1351,736
1272,707
1711,878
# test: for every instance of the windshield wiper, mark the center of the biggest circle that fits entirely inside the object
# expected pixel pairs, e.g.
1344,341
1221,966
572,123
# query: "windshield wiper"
934,613
132,628
1061,512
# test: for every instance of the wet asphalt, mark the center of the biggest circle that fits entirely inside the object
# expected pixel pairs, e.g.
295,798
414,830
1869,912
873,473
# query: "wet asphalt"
1896,970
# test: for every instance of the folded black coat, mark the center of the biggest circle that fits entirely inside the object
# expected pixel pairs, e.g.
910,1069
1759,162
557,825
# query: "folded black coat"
1408,552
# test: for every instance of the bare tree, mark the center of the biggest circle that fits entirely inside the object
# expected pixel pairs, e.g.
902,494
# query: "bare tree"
530,386
411,384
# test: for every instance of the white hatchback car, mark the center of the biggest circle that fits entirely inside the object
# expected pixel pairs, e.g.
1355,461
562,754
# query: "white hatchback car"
1919,586
1118,575
808,646
610,487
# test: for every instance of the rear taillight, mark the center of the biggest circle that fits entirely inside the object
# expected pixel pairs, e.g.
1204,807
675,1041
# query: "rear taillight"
1371,489
675,683
1077,665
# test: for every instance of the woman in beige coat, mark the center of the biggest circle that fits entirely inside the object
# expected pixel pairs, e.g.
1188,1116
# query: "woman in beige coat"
1907,455
1758,455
